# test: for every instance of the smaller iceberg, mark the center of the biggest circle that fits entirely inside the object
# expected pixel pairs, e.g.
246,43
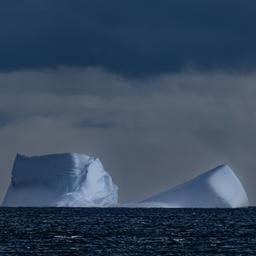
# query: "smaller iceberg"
217,188
66,180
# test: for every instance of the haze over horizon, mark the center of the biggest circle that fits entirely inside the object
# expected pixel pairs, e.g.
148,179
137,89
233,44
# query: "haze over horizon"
159,91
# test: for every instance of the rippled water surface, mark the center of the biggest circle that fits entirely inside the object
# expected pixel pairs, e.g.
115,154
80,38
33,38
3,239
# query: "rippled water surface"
121,231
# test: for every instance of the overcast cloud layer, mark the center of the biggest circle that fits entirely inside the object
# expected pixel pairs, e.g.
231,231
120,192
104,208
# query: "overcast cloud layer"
150,133
134,38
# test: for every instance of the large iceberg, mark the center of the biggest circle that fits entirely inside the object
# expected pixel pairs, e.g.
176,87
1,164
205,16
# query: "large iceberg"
217,188
77,180
68,180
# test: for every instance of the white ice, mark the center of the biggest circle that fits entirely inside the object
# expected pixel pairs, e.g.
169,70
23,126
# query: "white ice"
77,180
68,180
218,187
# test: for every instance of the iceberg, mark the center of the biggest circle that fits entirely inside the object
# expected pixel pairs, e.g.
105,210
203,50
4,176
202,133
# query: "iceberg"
65,180
78,180
217,188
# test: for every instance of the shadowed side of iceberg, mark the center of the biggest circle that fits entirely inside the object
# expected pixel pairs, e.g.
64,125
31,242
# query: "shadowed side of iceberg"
217,188
75,180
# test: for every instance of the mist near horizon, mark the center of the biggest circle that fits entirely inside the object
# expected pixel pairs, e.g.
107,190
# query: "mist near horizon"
150,133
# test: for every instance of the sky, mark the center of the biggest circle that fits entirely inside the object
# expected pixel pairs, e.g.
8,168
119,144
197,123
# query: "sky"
160,91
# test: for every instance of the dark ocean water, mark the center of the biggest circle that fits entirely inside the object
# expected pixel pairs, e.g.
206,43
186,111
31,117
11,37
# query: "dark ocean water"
122,231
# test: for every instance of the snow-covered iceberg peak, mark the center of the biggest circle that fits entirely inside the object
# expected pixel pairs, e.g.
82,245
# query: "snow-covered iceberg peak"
60,180
218,187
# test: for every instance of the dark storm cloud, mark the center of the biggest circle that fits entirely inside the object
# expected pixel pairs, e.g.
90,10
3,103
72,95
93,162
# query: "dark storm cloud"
128,37
150,133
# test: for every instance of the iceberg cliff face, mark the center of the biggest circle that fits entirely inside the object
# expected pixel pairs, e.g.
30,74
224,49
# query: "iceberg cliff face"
60,180
216,188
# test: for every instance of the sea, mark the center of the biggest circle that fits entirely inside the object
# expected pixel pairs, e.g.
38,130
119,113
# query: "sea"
127,231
